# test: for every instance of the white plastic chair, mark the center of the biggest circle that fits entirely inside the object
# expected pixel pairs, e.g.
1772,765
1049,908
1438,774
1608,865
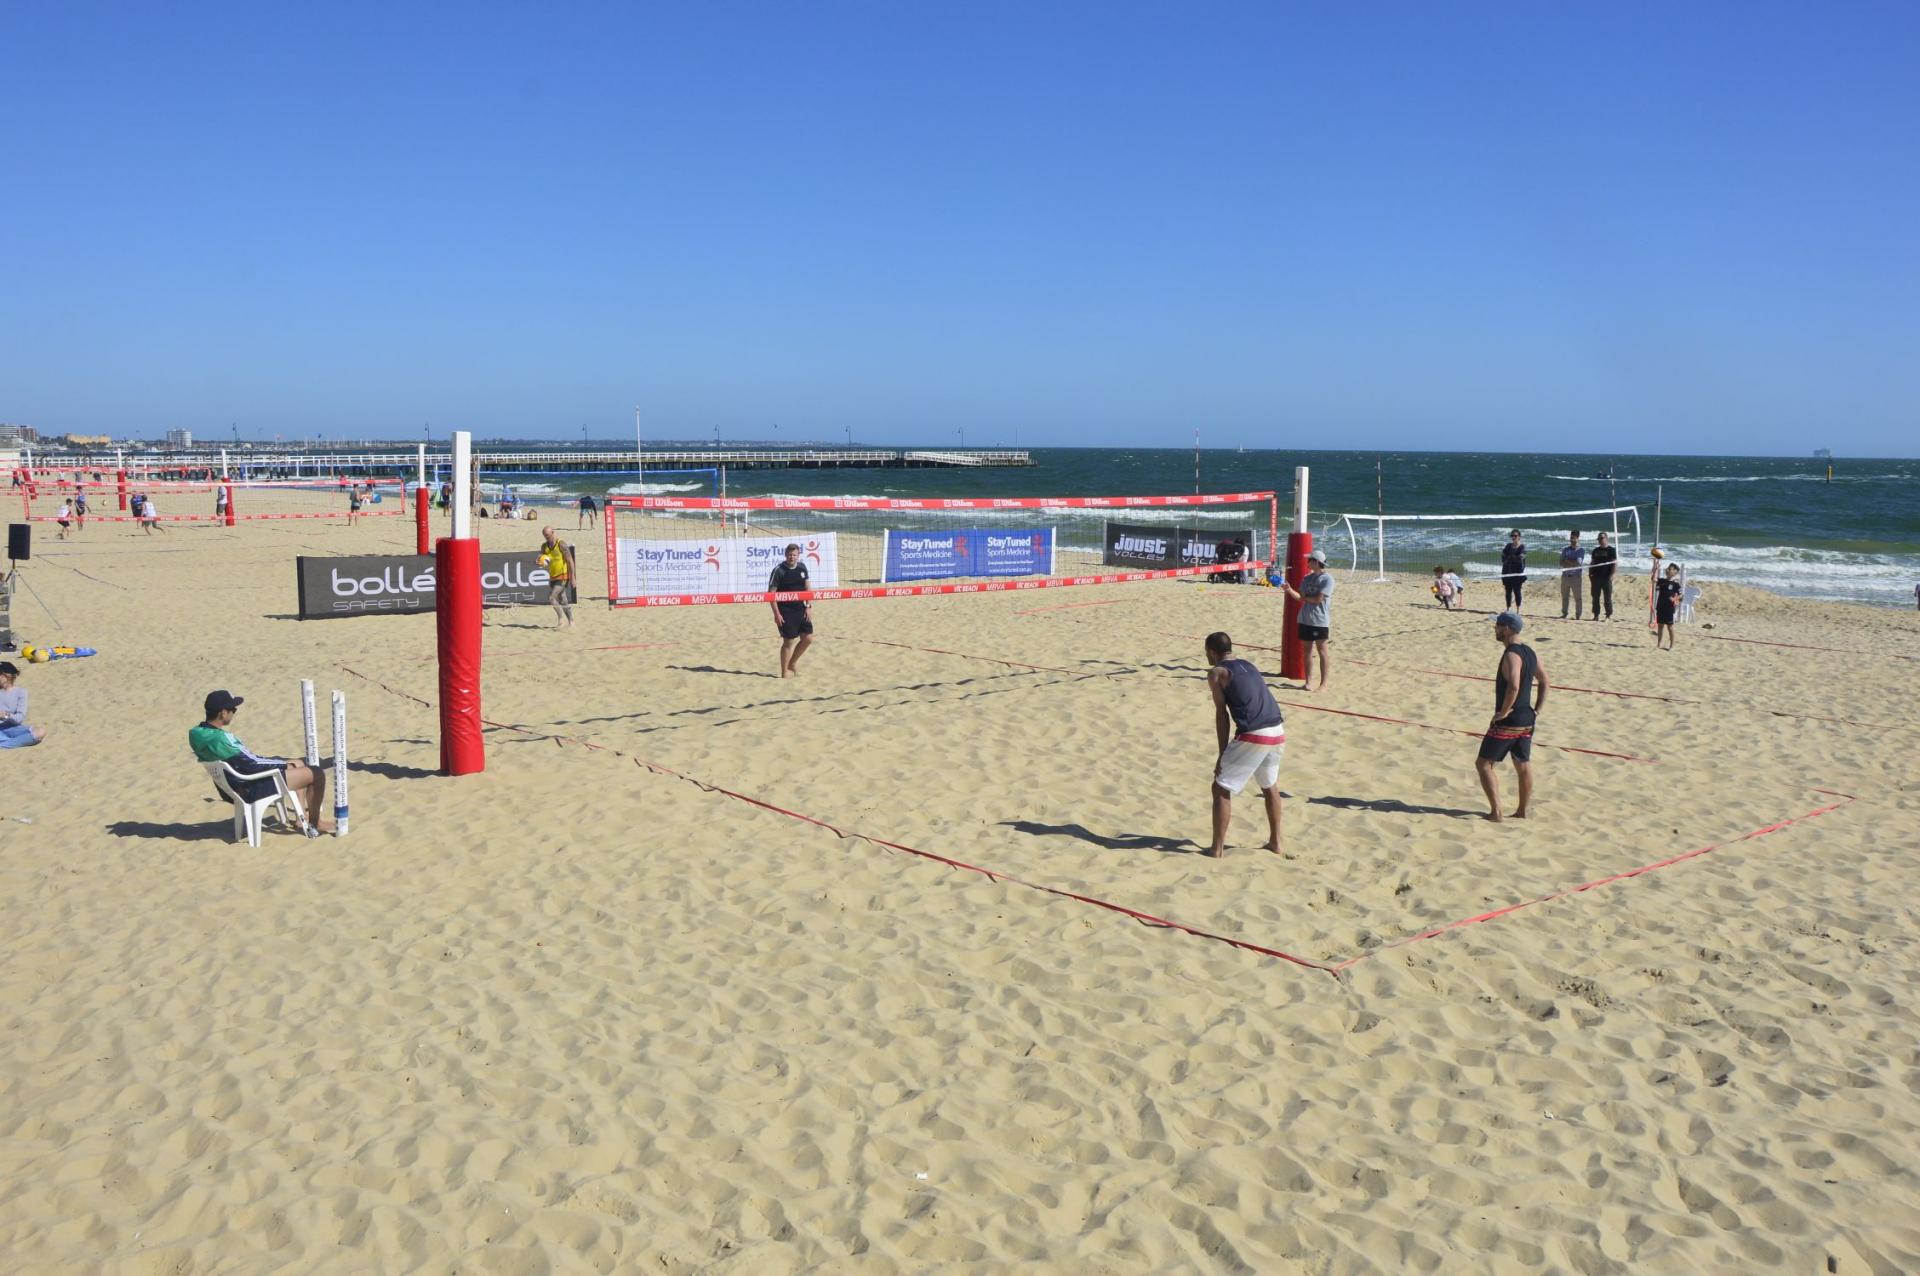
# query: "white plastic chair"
249,816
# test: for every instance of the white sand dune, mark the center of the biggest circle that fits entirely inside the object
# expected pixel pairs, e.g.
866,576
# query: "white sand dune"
574,1014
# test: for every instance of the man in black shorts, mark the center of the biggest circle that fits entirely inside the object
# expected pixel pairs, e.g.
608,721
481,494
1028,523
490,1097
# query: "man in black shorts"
1519,689
793,620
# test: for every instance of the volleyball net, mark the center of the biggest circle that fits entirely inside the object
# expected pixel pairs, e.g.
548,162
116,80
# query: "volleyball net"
666,551
114,500
1472,544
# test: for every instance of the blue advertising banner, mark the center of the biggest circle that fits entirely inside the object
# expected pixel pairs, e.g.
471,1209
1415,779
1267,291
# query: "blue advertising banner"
966,551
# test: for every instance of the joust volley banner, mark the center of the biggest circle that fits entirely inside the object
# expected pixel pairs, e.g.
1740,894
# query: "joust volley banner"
966,551
725,565
399,584
1136,545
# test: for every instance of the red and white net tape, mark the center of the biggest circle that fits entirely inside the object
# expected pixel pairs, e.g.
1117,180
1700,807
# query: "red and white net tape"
209,518
915,591
943,503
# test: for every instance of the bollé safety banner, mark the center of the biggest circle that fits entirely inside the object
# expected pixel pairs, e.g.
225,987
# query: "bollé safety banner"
399,584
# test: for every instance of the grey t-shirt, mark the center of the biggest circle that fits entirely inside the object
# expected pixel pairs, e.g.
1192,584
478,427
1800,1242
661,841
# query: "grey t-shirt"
1316,613
13,704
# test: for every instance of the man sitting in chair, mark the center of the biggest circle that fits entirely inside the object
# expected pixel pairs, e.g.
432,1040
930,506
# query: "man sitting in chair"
212,742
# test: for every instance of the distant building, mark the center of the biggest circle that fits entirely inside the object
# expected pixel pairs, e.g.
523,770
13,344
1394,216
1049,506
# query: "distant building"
19,434
87,440
180,438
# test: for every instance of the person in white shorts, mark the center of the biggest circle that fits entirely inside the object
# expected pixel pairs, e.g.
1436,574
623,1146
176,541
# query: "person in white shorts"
1252,736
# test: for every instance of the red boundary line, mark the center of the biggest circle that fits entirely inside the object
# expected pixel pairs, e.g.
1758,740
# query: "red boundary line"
1558,686
1608,880
994,875
1801,646
1335,969
1429,726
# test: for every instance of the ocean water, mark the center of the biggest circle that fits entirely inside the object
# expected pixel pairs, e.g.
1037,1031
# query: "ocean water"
1772,522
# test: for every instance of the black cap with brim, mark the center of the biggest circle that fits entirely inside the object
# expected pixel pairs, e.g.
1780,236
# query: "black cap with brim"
221,701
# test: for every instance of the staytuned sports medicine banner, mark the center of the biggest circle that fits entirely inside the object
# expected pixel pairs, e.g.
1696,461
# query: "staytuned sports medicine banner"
1159,546
725,565
399,584
966,551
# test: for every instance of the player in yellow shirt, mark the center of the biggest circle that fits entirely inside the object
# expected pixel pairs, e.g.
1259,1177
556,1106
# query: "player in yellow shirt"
557,557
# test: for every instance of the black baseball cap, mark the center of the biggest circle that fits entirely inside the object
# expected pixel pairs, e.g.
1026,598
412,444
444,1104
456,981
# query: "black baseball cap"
219,701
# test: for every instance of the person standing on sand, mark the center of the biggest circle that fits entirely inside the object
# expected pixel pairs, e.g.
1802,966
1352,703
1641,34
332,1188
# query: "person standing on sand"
558,560
1314,623
1600,576
1572,558
1514,714
1666,600
1513,568
1252,749
589,512
793,621
64,517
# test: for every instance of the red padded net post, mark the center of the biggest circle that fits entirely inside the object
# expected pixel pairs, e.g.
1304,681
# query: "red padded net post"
230,511
422,535
1293,655
120,480
457,618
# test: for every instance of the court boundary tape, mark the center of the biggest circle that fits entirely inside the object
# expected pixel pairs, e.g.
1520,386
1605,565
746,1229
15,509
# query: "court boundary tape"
1591,691
993,875
1801,646
1335,969
1448,928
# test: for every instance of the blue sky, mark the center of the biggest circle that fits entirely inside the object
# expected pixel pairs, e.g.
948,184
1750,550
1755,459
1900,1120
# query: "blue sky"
1612,227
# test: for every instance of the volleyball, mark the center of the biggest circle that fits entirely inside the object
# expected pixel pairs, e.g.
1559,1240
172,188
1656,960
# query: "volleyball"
1657,553
36,655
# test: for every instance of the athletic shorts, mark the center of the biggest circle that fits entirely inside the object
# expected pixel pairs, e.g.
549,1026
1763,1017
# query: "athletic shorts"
794,621
1498,742
1243,761
255,787
1311,633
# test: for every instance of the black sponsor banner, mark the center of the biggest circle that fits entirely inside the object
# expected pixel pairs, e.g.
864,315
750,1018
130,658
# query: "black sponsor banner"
399,584
1160,546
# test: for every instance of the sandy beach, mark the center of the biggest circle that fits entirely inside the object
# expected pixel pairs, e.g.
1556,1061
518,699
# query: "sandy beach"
671,1004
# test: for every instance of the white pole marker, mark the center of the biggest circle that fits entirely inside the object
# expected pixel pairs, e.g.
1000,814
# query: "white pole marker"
339,764
311,722
462,485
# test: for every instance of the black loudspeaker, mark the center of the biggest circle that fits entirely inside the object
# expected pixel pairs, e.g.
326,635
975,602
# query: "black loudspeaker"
19,541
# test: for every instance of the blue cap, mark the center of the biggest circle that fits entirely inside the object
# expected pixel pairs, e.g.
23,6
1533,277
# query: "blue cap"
1511,620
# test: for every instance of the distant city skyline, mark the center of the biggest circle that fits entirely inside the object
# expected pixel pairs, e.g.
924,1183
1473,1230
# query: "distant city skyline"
1635,229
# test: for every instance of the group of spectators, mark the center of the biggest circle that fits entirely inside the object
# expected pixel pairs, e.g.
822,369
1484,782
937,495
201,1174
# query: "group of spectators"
1598,568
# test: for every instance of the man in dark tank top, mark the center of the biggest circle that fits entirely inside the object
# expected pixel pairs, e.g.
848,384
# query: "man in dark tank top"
1519,689
1252,737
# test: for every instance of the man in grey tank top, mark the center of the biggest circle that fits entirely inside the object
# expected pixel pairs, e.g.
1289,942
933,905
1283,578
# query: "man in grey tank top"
1252,737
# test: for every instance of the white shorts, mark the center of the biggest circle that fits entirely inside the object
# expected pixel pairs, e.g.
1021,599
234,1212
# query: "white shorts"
1242,762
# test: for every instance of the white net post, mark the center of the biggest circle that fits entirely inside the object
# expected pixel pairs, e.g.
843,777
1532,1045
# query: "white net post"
310,722
339,764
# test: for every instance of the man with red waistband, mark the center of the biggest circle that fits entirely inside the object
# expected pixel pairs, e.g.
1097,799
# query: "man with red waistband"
1514,713
1252,737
